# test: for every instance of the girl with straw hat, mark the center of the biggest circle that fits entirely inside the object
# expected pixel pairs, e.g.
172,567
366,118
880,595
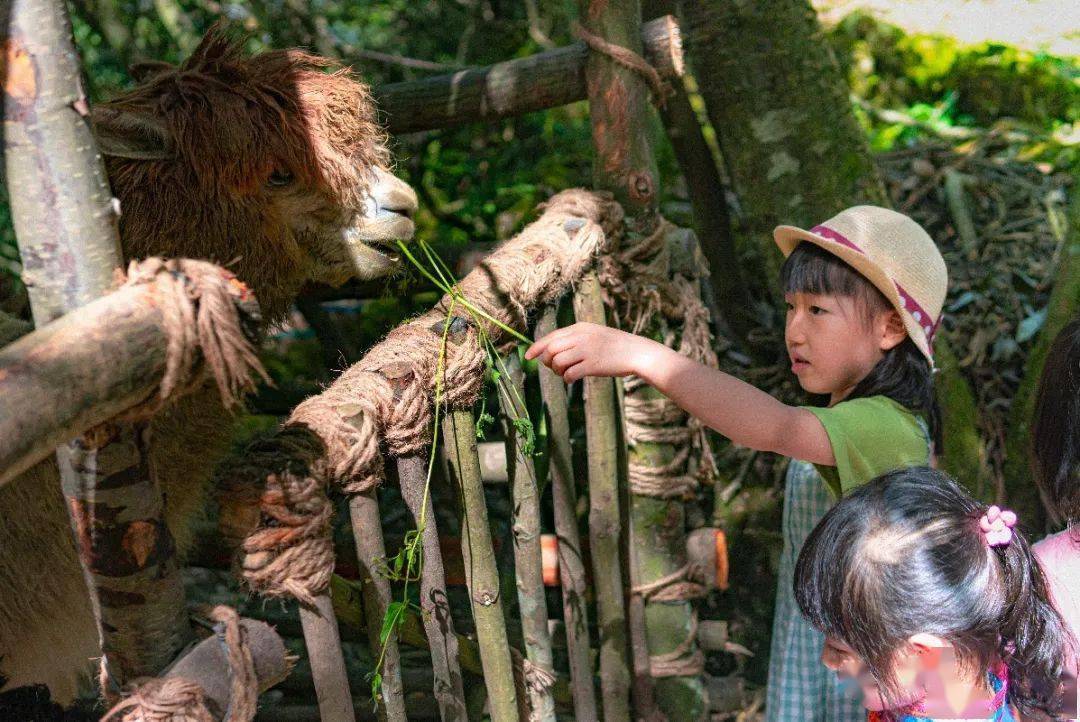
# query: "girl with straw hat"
864,293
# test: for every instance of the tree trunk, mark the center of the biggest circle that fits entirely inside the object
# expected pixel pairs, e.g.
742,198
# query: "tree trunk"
65,223
1064,306
794,151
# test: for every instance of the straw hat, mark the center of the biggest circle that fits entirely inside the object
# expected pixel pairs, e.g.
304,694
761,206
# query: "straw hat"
891,251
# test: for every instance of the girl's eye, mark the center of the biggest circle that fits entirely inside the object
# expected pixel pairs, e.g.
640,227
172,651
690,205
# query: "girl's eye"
789,306
817,310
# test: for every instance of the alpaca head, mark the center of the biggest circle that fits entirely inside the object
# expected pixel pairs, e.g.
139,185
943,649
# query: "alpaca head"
272,164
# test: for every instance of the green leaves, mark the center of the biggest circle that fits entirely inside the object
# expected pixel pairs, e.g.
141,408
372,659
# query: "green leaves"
394,617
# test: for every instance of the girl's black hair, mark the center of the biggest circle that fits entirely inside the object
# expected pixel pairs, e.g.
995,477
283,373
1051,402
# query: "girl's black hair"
1055,431
903,555
903,374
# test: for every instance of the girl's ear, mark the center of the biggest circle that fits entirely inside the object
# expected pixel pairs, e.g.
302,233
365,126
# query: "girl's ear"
892,331
929,647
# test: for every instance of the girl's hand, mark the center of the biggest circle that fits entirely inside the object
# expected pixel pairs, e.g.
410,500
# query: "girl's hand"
589,349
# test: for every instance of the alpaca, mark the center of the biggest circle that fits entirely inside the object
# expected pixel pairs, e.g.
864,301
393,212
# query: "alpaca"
271,164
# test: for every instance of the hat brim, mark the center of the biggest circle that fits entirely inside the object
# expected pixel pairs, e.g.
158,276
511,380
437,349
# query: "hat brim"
787,237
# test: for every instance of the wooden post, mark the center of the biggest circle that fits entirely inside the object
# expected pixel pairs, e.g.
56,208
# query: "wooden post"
323,644
605,520
525,522
510,88
449,691
571,564
93,363
480,573
65,223
370,550
624,164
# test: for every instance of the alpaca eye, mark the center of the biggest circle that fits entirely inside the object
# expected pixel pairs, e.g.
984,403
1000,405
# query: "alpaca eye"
279,179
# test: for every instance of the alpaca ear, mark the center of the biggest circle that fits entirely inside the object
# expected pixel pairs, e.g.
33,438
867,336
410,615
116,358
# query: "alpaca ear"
130,134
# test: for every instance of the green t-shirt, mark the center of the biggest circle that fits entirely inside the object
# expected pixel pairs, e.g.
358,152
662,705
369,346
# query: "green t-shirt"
869,436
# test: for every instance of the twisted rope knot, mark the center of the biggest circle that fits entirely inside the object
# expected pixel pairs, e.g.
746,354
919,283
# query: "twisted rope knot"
174,699
628,59
198,301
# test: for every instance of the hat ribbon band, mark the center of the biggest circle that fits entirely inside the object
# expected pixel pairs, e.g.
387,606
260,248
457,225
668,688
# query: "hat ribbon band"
929,326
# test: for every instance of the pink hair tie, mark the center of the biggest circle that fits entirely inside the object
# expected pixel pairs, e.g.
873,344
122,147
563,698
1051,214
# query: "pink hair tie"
997,524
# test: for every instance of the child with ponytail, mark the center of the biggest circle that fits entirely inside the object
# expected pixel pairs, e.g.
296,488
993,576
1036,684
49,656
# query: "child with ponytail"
931,603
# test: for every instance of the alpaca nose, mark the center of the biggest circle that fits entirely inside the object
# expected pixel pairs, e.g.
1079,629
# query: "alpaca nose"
393,195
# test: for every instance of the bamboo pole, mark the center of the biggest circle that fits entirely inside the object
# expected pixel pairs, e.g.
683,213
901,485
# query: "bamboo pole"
59,191
605,520
348,607
513,87
480,573
571,564
525,522
370,549
449,690
323,644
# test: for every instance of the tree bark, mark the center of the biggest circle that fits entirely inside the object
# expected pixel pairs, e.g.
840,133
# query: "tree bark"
327,660
774,93
624,164
571,561
449,690
370,550
605,520
480,572
65,224
1063,306
513,87
208,666
525,523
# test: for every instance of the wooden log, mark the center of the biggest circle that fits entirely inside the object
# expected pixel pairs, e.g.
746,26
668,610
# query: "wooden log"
605,521
208,666
571,561
327,660
525,522
480,572
439,624
370,551
92,364
65,224
513,87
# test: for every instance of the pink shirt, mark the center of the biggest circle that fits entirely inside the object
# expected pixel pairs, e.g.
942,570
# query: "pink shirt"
1059,557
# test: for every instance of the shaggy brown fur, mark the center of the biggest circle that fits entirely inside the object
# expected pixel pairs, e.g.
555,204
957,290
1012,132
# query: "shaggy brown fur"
271,164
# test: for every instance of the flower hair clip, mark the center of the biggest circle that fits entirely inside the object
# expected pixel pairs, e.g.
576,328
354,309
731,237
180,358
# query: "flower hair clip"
997,524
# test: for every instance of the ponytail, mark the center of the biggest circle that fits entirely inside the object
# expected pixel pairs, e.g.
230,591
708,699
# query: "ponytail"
1034,637
904,554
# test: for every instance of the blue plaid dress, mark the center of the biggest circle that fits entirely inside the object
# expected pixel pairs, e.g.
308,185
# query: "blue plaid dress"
801,688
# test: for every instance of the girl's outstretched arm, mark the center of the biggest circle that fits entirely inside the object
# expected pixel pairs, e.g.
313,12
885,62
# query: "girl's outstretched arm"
746,415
